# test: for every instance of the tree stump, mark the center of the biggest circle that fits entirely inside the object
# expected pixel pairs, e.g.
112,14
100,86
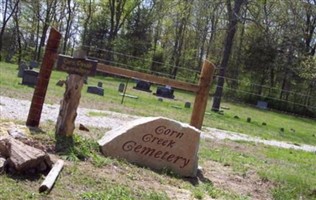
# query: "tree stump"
68,112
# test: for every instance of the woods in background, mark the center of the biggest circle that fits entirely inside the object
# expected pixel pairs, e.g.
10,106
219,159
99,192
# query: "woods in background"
271,56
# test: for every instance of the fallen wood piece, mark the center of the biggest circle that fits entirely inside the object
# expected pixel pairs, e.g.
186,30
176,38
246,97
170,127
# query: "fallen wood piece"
22,157
51,177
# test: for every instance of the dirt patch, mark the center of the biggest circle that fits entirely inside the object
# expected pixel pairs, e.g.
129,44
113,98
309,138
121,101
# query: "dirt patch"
136,177
249,184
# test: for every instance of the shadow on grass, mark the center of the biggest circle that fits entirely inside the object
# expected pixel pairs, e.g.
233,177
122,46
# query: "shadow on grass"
35,130
200,178
26,176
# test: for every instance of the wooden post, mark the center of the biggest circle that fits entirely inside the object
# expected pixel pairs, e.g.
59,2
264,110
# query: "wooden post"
39,94
77,67
201,97
68,109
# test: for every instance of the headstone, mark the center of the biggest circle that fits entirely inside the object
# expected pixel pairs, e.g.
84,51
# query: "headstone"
22,67
156,142
262,104
143,86
187,105
121,87
33,64
100,84
95,90
29,77
165,92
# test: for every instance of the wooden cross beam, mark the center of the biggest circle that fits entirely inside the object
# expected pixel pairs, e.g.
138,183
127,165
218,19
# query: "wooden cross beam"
201,90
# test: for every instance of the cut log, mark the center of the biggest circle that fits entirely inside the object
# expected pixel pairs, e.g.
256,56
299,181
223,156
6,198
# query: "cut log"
2,164
22,157
3,148
51,177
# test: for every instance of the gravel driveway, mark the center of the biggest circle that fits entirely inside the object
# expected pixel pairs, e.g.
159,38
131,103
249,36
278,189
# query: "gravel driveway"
17,109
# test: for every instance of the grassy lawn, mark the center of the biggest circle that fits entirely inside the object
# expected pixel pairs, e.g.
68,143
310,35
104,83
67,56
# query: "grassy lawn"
296,129
293,173
231,170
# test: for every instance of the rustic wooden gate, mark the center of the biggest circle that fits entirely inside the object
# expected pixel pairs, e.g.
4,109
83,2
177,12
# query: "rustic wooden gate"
201,89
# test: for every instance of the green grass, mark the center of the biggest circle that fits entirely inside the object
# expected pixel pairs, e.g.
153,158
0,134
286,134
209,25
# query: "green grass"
97,114
89,175
292,172
296,129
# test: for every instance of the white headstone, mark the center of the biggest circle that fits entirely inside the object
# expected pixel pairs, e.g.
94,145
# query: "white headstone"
156,142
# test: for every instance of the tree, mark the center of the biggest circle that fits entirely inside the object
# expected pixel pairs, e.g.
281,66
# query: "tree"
49,12
71,9
9,9
231,30
119,12
18,33
181,23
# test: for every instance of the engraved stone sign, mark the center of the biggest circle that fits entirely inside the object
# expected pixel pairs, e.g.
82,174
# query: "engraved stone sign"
156,142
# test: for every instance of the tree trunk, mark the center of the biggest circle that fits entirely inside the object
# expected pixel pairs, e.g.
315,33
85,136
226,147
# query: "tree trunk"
5,20
68,26
177,50
85,25
37,35
46,23
18,34
231,30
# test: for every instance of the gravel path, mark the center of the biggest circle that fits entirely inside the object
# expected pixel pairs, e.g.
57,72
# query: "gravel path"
17,109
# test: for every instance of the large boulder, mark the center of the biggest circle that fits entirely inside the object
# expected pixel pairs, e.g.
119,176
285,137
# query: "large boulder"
156,142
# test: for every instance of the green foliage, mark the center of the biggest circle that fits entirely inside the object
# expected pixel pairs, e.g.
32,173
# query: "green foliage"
308,68
82,149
